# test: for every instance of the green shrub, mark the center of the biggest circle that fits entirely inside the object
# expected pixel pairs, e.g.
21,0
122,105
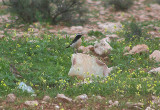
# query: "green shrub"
121,4
158,1
70,11
95,33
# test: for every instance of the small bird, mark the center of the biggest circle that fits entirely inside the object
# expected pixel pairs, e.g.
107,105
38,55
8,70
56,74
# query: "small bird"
75,44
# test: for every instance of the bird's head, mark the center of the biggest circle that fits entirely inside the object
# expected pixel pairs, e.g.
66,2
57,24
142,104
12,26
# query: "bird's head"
78,35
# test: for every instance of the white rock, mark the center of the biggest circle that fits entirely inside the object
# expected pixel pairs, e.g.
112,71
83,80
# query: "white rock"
86,66
43,102
138,49
46,98
86,49
110,102
63,98
31,103
155,55
102,48
99,97
1,107
11,98
127,49
155,70
116,103
109,26
56,107
82,97
149,108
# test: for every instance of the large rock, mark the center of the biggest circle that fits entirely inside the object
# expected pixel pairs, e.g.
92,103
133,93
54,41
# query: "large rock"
155,55
63,98
85,66
138,49
102,47
109,26
86,49
155,70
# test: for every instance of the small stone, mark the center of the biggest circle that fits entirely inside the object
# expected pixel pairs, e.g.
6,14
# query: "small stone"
99,97
31,103
1,107
11,98
155,55
149,108
127,49
43,102
155,70
46,98
110,102
56,107
138,49
82,97
76,28
102,47
116,103
63,98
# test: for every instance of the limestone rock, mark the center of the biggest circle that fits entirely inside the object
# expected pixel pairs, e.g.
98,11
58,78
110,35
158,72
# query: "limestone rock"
127,49
82,97
46,98
155,55
11,98
155,70
149,108
138,49
109,26
135,105
56,107
102,47
63,98
86,66
31,103
86,49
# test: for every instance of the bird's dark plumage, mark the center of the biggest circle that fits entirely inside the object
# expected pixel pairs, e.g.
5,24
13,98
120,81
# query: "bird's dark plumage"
78,36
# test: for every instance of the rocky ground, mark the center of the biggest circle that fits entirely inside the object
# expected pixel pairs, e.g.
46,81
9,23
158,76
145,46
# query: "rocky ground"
104,20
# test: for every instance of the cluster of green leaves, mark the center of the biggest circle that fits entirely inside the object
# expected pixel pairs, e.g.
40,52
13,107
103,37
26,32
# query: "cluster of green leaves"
53,11
119,4
95,33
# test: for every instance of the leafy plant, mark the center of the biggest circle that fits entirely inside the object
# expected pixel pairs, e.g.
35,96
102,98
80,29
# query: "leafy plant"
67,11
95,33
121,4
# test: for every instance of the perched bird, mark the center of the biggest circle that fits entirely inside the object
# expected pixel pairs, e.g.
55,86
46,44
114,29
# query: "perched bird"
75,44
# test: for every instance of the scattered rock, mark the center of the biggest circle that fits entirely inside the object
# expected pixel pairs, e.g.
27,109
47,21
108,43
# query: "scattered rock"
116,103
11,98
99,97
110,102
90,38
102,47
155,55
56,107
112,36
149,108
109,26
135,105
155,70
138,49
83,97
1,107
46,98
63,98
43,102
127,49
86,66
31,103
86,49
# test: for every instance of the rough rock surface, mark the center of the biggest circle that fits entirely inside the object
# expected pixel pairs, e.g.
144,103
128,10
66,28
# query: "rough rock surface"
155,55
11,98
63,98
138,49
102,47
82,97
31,103
46,98
155,70
84,66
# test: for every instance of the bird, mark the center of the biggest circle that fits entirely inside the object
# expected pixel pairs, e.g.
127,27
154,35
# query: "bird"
75,44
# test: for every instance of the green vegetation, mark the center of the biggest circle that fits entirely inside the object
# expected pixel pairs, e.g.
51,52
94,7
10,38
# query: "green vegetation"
53,11
119,4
